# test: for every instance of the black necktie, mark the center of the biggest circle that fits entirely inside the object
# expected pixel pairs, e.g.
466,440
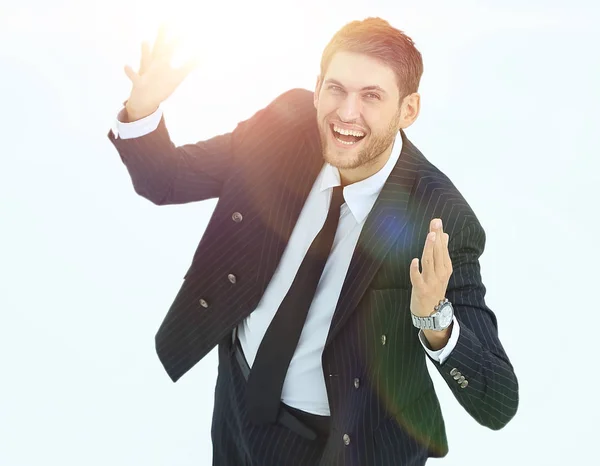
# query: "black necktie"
275,352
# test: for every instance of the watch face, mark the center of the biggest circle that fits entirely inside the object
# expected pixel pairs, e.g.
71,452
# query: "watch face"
445,316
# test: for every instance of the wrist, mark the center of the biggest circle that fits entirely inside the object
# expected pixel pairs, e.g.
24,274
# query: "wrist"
438,339
135,113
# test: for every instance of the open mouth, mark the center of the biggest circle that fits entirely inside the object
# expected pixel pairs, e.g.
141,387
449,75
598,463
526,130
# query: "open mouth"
346,137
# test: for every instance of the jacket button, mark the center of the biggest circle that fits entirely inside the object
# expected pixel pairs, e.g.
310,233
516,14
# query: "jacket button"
237,217
461,379
232,278
356,382
383,339
203,303
453,372
346,439
464,384
457,376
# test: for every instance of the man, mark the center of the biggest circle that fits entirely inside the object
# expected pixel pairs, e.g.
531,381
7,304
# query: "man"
307,276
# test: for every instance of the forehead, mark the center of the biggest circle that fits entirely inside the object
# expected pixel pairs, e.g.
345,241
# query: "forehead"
357,71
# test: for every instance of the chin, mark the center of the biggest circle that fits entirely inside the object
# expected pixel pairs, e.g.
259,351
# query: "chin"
343,161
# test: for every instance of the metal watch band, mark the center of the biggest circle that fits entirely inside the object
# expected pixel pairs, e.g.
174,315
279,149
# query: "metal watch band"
426,323
429,323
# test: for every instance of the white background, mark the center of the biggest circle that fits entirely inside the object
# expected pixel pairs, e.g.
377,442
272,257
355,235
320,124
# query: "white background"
88,268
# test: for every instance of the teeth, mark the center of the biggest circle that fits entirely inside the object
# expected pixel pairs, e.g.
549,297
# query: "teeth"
345,142
348,132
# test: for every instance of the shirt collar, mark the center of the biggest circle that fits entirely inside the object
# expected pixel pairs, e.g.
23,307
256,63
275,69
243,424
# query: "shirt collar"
361,196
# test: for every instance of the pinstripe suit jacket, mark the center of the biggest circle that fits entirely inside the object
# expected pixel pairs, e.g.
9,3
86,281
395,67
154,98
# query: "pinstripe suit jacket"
262,173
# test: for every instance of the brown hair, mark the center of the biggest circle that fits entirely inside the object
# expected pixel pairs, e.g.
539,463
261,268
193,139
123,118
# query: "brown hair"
378,39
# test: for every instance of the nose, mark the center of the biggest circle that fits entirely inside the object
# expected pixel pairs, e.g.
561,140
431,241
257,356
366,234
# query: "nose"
349,109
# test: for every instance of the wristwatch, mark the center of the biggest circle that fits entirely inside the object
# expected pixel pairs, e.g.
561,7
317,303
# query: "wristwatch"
439,320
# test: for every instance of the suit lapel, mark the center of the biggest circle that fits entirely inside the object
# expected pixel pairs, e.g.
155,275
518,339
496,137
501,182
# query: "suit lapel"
382,228
284,202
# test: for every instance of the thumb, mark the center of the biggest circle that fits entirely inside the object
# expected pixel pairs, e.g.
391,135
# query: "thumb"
132,75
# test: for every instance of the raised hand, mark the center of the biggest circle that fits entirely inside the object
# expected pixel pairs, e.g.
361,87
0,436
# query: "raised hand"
429,287
156,79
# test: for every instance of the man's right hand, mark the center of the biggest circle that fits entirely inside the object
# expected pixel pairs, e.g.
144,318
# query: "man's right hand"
156,79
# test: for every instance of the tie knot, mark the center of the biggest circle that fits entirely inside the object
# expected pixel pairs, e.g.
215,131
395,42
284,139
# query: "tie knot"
337,198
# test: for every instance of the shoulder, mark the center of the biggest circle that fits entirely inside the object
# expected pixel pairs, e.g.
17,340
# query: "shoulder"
436,195
296,98
293,107
287,119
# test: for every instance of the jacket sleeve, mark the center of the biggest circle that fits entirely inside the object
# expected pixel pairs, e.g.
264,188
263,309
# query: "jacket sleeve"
477,370
168,174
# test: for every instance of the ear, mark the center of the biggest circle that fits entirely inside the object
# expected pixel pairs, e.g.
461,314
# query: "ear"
317,91
410,109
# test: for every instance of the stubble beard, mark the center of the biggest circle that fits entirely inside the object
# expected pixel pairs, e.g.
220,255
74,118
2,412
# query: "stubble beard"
368,155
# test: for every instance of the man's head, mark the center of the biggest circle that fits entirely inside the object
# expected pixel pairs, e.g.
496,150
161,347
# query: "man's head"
370,74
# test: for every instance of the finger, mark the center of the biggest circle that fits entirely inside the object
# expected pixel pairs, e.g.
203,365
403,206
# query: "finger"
145,59
160,42
415,276
169,43
438,251
427,258
132,75
187,68
168,51
447,259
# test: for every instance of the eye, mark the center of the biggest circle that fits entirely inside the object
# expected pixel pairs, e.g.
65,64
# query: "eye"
334,88
373,96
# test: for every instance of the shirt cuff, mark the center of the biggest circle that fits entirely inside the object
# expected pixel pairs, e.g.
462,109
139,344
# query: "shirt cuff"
138,128
442,354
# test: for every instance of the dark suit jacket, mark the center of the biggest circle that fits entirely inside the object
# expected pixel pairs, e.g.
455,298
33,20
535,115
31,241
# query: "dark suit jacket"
262,173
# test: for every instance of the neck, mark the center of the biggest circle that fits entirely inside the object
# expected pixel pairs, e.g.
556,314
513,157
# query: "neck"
354,175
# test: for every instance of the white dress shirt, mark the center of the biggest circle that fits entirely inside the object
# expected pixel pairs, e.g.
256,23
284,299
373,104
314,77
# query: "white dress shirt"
304,386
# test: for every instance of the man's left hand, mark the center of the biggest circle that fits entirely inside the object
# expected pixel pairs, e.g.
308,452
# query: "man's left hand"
429,287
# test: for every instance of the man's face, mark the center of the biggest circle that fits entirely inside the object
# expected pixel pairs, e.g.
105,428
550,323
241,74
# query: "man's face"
358,96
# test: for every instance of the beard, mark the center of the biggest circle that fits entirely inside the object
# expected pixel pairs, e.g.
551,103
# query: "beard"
371,147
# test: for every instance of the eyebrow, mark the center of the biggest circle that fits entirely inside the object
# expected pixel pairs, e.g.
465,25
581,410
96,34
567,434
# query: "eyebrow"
367,88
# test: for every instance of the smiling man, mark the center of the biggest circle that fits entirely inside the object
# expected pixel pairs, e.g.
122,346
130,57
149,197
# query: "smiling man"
325,277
